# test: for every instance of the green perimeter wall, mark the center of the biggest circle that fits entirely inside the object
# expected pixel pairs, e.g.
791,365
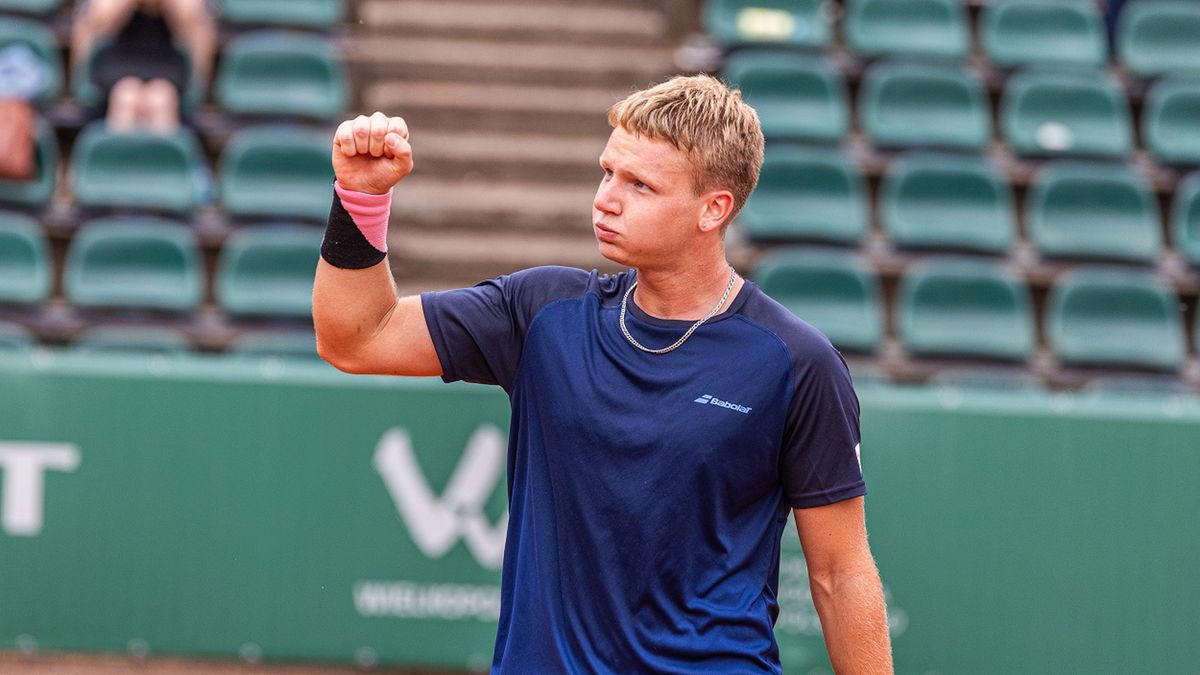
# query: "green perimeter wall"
282,511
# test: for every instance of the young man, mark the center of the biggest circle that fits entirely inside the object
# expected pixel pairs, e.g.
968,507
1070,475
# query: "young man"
664,419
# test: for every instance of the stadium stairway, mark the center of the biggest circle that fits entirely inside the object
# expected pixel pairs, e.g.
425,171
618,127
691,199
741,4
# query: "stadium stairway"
507,106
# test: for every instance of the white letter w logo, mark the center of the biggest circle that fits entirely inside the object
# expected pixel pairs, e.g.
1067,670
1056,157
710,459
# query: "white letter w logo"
437,524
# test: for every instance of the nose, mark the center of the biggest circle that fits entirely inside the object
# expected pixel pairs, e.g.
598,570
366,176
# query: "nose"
605,200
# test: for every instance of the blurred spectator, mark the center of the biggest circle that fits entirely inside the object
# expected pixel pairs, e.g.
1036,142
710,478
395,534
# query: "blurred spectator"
148,52
22,74
22,77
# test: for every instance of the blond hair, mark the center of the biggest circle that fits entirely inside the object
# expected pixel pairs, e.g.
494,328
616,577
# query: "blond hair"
707,121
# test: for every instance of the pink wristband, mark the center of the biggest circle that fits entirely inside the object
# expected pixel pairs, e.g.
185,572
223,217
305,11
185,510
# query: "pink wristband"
369,212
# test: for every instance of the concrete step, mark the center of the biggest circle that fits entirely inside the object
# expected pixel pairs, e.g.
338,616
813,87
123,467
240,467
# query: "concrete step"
507,156
442,258
580,110
606,25
488,205
523,62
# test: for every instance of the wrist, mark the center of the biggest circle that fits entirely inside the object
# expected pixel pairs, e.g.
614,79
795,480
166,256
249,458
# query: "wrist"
356,237
361,189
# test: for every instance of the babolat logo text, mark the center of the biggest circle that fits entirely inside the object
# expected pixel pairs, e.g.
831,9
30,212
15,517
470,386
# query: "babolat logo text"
709,399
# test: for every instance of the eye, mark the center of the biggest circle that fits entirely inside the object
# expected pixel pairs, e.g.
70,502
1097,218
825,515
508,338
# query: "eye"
639,185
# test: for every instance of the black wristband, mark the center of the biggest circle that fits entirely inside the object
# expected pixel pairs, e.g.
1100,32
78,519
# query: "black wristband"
344,245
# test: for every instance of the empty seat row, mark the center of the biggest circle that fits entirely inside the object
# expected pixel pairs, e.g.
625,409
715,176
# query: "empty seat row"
268,171
167,341
39,7
275,73
301,13
1010,379
154,264
260,73
977,309
1043,112
872,27
1073,209
1154,36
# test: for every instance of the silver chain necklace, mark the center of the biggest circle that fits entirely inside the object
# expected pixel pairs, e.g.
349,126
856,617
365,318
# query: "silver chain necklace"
688,334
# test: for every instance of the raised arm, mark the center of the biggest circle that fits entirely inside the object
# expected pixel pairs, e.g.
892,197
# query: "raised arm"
362,327
845,587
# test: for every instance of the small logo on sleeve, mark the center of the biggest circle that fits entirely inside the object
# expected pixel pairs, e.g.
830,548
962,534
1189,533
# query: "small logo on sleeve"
709,399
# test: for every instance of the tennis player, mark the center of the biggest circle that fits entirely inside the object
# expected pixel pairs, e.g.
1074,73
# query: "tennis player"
664,419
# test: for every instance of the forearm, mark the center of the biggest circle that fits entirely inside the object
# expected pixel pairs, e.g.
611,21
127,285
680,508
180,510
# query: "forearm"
853,620
350,307
354,294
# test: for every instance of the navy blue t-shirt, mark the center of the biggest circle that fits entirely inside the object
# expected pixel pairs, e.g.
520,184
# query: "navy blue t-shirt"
648,492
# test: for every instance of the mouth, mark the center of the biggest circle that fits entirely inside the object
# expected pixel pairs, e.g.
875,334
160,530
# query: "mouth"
604,233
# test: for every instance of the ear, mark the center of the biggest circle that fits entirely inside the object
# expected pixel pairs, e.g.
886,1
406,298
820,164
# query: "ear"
718,205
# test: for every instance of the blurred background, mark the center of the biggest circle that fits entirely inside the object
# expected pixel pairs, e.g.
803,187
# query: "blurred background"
991,207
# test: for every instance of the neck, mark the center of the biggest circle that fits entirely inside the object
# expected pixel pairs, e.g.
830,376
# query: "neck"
685,294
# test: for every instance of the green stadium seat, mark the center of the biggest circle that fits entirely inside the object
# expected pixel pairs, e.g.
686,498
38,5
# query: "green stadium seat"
964,307
136,263
1158,37
1018,33
806,194
1137,385
1115,317
15,338
830,289
277,172
946,201
40,40
987,379
936,28
38,7
276,344
795,22
268,271
301,13
24,260
795,96
37,192
137,339
1081,210
1171,120
1185,218
1066,113
87,94
912,104
271,73
136,170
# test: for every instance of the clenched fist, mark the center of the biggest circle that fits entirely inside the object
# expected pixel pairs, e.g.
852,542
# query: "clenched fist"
371,154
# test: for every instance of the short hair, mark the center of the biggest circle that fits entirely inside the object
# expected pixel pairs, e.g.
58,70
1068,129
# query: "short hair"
706,120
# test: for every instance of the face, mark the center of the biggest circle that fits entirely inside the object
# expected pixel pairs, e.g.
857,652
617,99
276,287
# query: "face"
646,212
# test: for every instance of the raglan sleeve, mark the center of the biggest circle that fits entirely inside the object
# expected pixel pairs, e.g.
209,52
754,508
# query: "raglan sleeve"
820,460
479,332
